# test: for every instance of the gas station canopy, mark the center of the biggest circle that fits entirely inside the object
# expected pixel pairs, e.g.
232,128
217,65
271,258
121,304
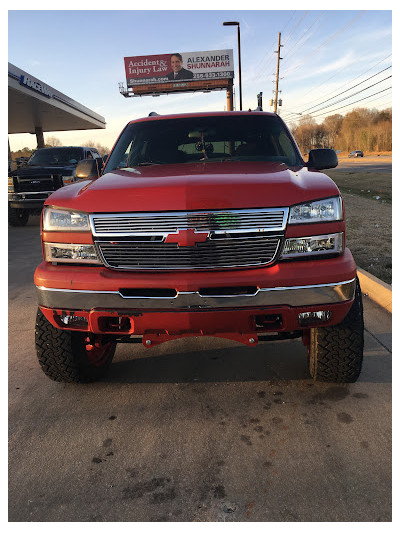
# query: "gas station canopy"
34,107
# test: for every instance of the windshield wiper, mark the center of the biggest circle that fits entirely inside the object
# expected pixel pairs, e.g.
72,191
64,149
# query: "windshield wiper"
219,159
147,163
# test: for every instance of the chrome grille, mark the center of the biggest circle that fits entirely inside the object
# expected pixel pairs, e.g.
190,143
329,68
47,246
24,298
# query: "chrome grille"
163,223
211,254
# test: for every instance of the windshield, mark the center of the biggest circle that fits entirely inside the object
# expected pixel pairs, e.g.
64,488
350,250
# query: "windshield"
56,157
206,139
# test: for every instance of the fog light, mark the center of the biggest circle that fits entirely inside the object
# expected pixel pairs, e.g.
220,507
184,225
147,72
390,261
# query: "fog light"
71,321
318,244
314,317
73,253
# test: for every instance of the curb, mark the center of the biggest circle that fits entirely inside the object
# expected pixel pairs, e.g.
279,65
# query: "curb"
377,290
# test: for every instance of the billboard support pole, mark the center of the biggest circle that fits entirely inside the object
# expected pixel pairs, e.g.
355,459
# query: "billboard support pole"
229,96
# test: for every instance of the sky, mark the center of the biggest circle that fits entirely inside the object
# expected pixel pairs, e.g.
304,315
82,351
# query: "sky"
325,53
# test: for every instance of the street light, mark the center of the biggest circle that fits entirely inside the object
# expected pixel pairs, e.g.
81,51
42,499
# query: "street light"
240,64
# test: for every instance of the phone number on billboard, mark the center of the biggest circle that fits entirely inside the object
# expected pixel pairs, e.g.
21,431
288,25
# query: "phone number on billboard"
213,75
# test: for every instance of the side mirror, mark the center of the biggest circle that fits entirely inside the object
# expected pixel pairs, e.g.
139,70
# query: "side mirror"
322,158
87,169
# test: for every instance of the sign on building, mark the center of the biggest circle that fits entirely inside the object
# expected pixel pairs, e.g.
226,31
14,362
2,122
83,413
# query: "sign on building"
190,67
35,85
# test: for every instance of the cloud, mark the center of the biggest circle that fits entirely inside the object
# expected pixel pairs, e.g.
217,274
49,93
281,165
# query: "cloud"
324,68
373,34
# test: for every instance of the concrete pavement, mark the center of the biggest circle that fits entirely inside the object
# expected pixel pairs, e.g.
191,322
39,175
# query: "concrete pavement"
195,429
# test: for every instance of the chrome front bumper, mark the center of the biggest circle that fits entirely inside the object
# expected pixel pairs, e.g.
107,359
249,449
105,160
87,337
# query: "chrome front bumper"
298,296
28,200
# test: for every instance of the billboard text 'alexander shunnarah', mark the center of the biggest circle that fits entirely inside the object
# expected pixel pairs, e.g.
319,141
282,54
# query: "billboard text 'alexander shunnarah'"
187,66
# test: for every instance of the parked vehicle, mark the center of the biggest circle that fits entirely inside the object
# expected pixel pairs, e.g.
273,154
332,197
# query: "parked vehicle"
356,153
199,224
21,161
37,177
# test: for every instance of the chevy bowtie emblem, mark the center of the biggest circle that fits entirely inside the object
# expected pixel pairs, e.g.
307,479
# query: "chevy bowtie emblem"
186,237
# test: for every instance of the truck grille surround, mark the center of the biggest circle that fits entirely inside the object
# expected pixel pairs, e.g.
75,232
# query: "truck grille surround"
39,183
219,239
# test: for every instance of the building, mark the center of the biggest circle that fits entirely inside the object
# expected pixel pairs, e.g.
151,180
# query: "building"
34,107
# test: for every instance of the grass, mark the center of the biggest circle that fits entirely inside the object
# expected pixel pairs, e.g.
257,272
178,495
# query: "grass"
367,199
371,185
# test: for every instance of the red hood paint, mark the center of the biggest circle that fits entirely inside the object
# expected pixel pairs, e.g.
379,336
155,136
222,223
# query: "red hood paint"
195,186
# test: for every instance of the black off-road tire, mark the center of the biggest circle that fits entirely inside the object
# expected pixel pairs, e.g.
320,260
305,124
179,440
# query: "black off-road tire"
336,352
63,356
17,217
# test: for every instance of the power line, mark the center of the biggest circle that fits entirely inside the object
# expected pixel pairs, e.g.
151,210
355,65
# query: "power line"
351,95
352,103
289,117
349,89
264,74
341,30
294,29
292,120
376,64
288,53
361,82
333,36
271,54
288,22
259,64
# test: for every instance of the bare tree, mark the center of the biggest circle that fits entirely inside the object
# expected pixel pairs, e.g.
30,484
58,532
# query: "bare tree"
304,133
332,125
360,129
100,148
52,141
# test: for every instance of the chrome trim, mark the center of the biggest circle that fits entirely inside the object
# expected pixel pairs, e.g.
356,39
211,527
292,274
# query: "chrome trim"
170,215
22,194
302,295
191,267
338,248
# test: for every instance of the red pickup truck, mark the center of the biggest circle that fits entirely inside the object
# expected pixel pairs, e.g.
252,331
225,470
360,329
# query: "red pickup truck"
198,224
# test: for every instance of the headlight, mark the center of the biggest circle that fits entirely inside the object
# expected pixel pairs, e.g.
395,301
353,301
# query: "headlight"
319,211
59,220
70,253
315,245
10,184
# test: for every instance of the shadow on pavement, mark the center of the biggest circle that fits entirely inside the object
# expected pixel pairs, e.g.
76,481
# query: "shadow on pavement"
266,362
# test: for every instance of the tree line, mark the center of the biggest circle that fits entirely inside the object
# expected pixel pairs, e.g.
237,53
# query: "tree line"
54,141
361,129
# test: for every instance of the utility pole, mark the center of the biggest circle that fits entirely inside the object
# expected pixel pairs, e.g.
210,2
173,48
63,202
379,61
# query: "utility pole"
277,72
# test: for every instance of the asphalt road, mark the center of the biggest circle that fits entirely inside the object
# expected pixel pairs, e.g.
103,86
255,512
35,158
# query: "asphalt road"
363,164
194,430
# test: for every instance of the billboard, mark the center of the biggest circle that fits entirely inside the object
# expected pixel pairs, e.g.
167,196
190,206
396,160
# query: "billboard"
184,66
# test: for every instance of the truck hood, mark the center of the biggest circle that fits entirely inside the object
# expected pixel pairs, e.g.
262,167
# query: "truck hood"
37,172
195,186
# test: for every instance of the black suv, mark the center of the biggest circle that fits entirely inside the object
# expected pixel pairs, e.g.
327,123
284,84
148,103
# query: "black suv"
46,170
